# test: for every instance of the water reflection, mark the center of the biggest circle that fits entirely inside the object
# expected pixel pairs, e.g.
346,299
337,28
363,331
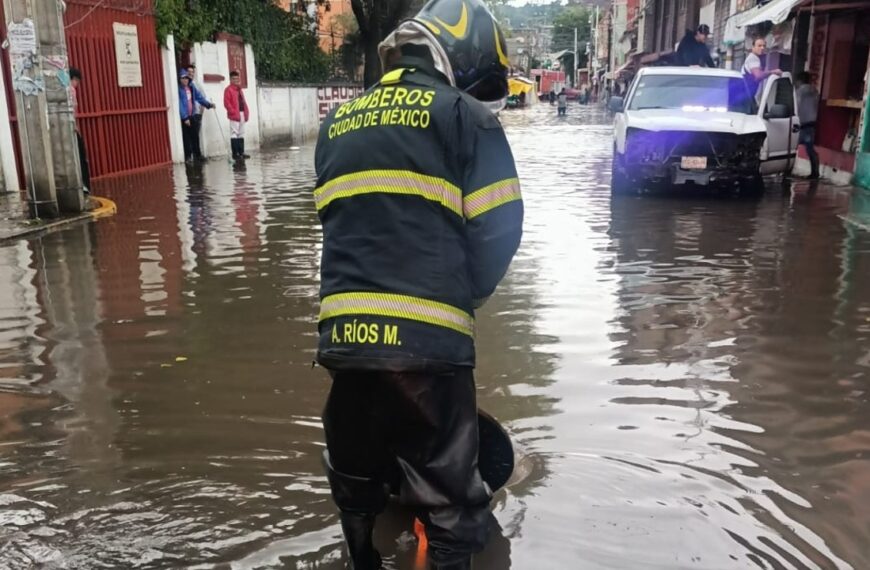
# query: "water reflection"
687,378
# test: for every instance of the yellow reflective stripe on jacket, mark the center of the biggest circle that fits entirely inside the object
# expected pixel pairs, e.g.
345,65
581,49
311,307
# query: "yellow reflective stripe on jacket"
492,196
390,182
394,76
397,306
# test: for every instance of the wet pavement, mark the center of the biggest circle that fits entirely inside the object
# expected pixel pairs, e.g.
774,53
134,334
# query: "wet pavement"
687,377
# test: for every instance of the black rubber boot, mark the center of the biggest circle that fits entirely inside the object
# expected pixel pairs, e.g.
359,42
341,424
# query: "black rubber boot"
358,529
359,499
234,145
461,564
242,149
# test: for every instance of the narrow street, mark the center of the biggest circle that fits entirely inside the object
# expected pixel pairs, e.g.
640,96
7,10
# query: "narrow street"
687,378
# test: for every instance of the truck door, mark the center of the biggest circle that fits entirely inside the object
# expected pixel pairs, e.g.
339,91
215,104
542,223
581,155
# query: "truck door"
780,148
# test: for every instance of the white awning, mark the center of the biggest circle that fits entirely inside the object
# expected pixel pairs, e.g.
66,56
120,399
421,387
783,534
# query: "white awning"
775,11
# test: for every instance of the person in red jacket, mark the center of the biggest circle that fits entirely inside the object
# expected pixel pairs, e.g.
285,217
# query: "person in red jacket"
238,114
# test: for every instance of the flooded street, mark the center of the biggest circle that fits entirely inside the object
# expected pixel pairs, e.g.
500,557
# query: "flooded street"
687,378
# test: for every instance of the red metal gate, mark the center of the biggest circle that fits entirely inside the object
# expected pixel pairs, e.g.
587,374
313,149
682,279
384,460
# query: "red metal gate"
124,128
10,101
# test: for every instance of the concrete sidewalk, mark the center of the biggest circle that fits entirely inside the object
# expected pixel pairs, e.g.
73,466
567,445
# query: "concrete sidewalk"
16,224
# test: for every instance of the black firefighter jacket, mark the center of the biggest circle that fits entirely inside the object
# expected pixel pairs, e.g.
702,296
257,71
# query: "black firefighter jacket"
421,209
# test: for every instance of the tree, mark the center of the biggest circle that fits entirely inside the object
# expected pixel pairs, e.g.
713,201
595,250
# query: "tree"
564,23
350,53
284,49
376,19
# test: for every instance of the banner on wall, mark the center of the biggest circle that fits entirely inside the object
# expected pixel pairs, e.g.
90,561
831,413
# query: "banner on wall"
127,55
328,98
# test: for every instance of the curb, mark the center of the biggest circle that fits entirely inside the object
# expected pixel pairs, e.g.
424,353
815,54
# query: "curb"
105,208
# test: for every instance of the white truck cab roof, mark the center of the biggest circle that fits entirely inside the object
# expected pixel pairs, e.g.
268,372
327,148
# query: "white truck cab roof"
704,71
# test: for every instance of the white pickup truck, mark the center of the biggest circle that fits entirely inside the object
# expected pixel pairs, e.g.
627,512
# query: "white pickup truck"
696,128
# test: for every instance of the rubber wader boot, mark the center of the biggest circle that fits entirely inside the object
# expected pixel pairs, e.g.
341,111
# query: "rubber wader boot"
359,499
358,530
242,149
234,144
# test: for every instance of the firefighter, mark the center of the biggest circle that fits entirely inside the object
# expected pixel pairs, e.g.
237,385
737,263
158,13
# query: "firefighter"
420,204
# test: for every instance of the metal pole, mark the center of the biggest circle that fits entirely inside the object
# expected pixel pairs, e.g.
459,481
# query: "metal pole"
46,124
61,119
576,62
30,102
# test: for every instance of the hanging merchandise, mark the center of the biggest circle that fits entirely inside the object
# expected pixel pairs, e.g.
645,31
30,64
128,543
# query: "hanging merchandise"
779,38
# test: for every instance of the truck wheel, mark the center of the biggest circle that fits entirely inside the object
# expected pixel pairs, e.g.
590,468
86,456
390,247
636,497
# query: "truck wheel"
619,182
752,187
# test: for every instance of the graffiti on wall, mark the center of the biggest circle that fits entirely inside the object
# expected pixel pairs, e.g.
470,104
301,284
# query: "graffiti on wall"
328,98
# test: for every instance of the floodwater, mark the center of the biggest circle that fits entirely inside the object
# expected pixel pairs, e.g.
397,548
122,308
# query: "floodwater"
687,377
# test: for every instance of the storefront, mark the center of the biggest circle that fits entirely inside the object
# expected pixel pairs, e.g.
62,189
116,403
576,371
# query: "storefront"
831,41
834,49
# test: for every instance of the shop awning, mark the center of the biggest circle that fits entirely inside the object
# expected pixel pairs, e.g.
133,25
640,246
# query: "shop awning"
775,11
627,67
519,85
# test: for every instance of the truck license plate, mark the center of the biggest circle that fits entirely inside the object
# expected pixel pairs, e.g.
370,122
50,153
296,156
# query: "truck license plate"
693,162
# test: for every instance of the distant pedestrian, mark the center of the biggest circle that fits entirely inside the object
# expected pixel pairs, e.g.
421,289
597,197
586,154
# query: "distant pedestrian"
197,115
563,103
808,108
552,97
188,97
75,81
753,70
238,114
693,50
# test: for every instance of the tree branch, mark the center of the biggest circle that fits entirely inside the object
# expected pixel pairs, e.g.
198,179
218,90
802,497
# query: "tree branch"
360,12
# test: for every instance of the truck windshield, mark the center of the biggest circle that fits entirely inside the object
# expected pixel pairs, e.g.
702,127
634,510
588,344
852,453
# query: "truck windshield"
691,93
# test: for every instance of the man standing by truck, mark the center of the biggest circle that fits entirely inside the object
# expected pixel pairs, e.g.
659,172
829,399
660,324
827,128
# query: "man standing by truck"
808,109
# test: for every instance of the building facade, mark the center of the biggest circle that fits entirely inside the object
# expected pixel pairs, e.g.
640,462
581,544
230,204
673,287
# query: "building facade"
830,39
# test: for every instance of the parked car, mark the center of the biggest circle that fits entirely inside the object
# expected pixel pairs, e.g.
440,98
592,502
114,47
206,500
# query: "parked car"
697,127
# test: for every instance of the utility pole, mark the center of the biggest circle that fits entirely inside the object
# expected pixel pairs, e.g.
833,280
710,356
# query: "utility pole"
46,124
576,62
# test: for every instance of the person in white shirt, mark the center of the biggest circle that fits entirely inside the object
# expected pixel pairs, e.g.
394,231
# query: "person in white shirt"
753,71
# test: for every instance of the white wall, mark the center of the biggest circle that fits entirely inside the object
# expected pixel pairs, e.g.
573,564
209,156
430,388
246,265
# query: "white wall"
278,112
211,58
288,114
293,112
173,114
9,181
252,130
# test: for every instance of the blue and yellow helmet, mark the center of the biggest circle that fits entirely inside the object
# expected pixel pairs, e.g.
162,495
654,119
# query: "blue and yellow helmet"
474,44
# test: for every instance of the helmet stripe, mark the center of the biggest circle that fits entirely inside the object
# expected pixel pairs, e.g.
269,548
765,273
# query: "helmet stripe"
501,55
460,29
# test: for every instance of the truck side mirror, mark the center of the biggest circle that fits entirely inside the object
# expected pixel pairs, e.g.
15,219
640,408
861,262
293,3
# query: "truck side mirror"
777,111
616,105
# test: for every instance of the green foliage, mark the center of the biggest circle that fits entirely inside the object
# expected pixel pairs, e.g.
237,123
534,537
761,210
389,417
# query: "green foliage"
283,47
565,22
569,18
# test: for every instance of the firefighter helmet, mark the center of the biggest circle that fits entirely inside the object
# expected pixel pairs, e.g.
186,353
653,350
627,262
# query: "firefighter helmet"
474,44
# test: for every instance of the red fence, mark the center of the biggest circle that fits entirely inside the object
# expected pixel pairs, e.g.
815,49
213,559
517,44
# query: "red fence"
124,127
10,100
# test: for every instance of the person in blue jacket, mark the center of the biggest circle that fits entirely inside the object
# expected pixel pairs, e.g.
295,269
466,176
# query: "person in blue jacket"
188,97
